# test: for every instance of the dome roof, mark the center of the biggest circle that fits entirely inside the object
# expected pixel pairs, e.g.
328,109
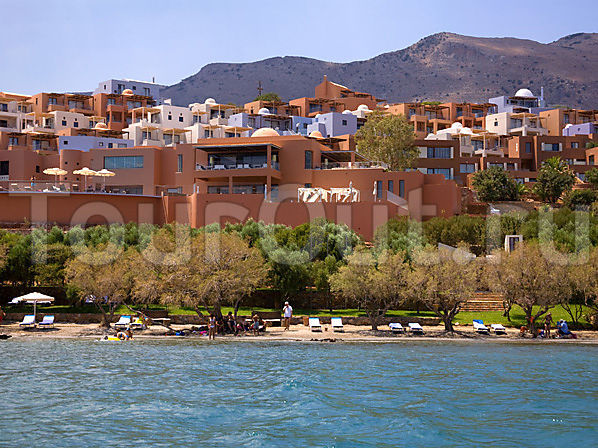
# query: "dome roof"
127,92
347,112
524,93
456,125
316,134
265,132
100,125
264,111
466,131
363,107
210,101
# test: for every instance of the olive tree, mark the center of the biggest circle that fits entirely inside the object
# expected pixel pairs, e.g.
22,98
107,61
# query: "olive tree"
443,281
376,285
531,277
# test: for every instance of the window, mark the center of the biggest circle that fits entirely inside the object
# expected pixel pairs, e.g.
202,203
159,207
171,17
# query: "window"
121,145
64,122
3,123
439,153
528,147
76,124
467,168
574,145
110,145
218,189
206,133
65,142
444,171
101,144
4,107
37,144
402,188
37,170
13,141
459,111
181,118
123,162
551,147
169,117
52,101
134,87
111,101
591,160
146,91
344,122
4,167
179,163
391,186
379,189
566,118
496,123
308,160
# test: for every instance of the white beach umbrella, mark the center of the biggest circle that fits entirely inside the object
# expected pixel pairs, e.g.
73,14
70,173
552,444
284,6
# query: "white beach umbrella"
85,172
105,173
35,298
55,172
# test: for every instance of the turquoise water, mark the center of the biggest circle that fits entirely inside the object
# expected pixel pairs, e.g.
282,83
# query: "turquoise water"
190,393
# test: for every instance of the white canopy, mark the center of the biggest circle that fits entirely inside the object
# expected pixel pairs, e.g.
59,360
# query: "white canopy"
35,298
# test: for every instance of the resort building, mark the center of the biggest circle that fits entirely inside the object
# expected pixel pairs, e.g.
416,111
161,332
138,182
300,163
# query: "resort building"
515,123
142,88
523,101
556,120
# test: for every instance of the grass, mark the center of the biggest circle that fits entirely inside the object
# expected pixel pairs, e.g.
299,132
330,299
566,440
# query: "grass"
489,317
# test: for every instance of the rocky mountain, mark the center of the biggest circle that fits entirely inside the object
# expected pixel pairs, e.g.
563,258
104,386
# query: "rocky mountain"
442,67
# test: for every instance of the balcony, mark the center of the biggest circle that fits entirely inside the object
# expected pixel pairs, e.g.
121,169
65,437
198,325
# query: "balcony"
351,166
57,107
237,166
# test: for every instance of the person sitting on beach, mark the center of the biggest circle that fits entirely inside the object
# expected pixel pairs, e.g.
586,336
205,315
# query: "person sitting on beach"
128,333
563,330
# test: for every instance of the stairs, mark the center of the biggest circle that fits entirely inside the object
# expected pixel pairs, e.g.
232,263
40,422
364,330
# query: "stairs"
483,301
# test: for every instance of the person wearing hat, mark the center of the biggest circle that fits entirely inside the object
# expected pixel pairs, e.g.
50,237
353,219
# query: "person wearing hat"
288,313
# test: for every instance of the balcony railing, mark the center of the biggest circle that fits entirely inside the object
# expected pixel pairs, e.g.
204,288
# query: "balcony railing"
351,166
235,166
46,186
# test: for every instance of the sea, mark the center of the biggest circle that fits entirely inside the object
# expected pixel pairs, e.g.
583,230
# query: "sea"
196,393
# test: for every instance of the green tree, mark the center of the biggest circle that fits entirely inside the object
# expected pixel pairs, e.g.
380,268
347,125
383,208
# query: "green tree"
268,96
580,199
389,139
554,179
494,184
592,177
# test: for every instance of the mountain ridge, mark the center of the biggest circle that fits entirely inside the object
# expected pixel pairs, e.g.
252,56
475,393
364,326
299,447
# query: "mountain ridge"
443,67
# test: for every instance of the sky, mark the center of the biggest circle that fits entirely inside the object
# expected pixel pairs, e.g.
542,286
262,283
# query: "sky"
72,45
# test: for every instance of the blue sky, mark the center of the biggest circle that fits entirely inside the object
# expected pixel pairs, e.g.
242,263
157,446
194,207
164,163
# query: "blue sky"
72,45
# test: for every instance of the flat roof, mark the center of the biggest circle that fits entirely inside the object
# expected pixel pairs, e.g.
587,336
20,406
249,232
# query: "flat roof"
237,145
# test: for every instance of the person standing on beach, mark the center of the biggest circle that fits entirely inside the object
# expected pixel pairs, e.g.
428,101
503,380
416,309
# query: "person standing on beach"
288,313
211,327
547,324
2,314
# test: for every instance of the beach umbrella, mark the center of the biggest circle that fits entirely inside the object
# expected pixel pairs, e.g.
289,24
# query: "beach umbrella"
85,172
105,173
55,172
33,297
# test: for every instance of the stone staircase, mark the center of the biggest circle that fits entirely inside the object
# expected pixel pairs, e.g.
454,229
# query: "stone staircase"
483,301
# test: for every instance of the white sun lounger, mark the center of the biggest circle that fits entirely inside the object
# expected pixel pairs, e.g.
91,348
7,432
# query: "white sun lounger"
498,329
47,322
416,328
396,328
479,327
314,324
28,321
337,324
123,322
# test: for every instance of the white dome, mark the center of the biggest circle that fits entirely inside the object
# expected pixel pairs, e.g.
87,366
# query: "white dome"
265,132
210,101
363,107
317,116
524,93
263,111
466,131
456,125
568,126
347,112
192,105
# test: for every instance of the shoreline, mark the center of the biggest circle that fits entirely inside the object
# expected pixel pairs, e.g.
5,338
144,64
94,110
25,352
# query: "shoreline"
297,333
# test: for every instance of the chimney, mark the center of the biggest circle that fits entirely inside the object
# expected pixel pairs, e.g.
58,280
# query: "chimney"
154,79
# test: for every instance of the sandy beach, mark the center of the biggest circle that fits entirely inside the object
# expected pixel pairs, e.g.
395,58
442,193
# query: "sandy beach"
300,333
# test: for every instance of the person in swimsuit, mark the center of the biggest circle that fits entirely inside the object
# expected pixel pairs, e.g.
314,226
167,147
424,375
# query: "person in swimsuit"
256,325
211,327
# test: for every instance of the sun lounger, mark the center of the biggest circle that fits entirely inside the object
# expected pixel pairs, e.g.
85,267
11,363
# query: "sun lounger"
396,328
28,321
337,324
314,324
47,322
416,328
138,324
498,329
123,322
479,327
